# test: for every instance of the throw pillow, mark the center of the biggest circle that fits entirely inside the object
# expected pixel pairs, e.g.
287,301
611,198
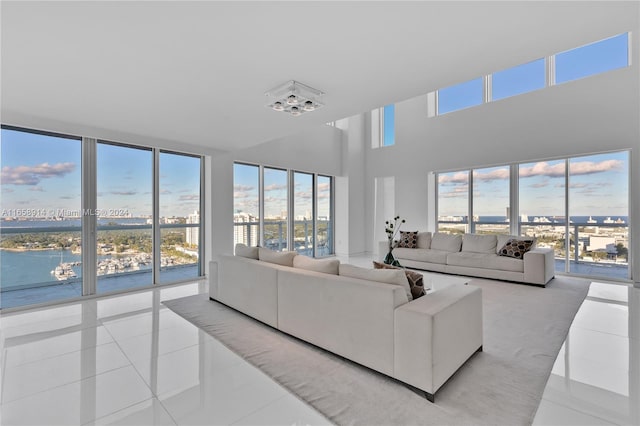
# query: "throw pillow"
284,258
378,275
414,279
408,239
516,248
327,266
245,251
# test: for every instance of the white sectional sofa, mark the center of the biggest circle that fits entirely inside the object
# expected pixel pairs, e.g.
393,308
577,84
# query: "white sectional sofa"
420,342
476,255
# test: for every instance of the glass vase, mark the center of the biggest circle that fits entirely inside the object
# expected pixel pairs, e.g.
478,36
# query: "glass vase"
390,260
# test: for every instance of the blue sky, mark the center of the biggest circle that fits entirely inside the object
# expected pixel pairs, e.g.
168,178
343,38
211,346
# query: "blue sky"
598,186
245,190
43,172
573,64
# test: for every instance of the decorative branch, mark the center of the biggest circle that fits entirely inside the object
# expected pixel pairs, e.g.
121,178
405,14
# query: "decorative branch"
392,227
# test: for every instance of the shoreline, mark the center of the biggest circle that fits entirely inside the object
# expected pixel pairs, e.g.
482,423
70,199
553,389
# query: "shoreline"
20,250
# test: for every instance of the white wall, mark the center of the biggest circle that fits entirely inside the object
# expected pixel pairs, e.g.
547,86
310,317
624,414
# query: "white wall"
595,114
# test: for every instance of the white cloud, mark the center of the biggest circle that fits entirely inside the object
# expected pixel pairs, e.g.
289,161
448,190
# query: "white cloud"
189,197
32,175
275,187
576,168
243,188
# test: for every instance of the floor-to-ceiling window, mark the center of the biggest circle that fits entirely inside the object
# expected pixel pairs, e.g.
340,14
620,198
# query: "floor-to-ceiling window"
124,202
264,196
303,213
490,206
78,217
577,206
246,204
275,205
542,205
324,216
179,216
599,214
41,207
453,202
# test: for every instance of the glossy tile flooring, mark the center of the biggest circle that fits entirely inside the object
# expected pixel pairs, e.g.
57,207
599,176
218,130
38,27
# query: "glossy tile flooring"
596,377
129,360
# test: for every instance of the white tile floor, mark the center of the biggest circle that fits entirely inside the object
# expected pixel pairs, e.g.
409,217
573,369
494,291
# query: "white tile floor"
128,360
596,377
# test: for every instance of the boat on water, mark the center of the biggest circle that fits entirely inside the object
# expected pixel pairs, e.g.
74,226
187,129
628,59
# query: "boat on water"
591,220
64,272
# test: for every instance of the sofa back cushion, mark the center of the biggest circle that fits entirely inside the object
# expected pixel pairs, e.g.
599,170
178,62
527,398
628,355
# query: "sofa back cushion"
245,251
424,240
446,242
327,266
477,243
284,258
387,276
502,240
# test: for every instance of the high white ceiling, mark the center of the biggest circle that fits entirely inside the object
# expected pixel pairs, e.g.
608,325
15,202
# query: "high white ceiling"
196,72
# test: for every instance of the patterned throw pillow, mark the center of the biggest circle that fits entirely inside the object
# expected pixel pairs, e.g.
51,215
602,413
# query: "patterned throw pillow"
415,279
516,248
408,239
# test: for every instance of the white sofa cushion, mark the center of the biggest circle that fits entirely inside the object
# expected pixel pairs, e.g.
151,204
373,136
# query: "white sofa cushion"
284,258
446,242
250,286
424,240
327,266
502,240
246,251
485,261
421,255
477,243
347,316
387,276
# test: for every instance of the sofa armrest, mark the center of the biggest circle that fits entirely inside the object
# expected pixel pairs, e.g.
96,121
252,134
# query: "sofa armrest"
539,266
213,280
435,334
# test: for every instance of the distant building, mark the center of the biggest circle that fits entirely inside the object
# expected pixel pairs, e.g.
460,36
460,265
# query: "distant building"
193,234
245,229
600,242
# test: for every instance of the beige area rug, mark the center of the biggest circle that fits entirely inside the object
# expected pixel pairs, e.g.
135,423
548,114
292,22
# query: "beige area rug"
524,328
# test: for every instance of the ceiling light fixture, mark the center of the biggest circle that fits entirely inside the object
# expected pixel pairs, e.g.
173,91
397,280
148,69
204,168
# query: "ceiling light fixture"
294,98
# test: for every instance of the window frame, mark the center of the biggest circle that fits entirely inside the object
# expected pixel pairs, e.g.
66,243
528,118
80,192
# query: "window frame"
89,227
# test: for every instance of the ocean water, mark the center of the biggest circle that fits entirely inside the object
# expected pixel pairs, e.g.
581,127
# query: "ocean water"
18,268
556,219
34,266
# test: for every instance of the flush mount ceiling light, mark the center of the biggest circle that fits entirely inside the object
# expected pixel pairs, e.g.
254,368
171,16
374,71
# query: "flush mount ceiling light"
294,98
